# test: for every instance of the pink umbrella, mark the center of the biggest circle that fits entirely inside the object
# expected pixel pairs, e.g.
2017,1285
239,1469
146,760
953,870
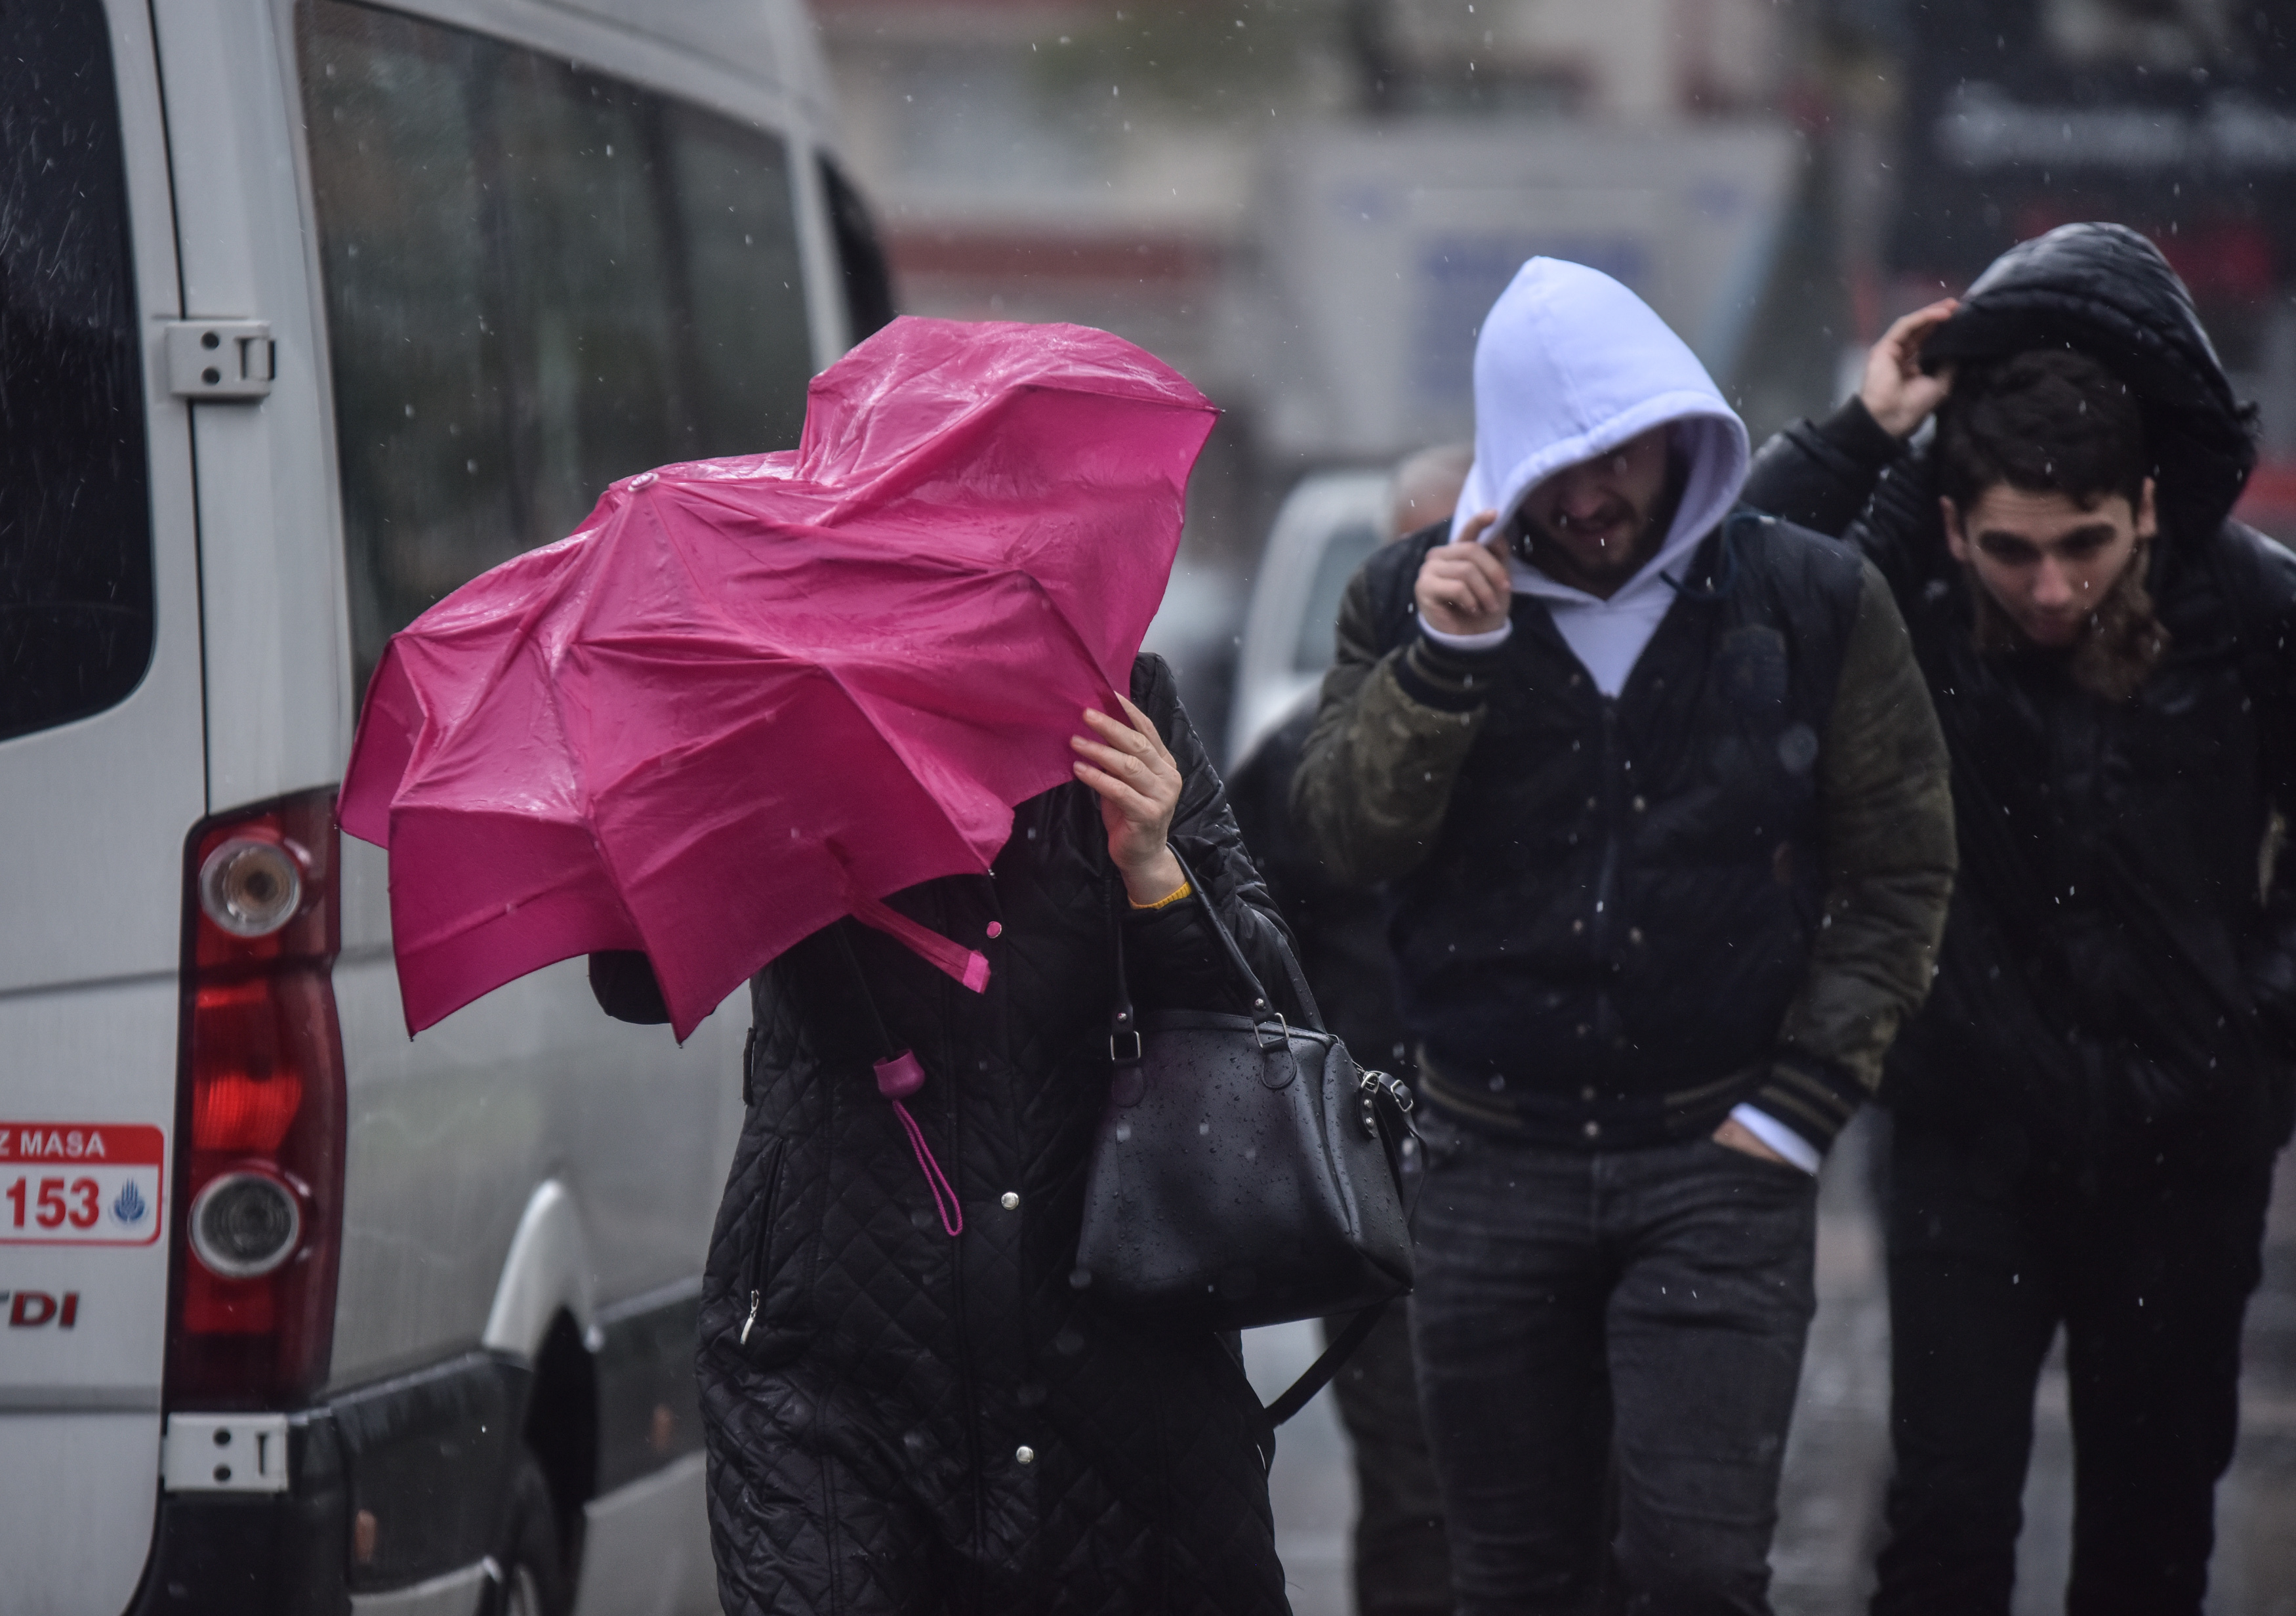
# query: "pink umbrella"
751,695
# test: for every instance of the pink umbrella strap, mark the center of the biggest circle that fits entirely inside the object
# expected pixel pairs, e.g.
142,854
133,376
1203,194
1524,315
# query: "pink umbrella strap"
952,1215
899,1076
967,966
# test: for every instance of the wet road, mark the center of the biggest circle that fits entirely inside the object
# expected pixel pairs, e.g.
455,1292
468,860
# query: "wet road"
1838,1457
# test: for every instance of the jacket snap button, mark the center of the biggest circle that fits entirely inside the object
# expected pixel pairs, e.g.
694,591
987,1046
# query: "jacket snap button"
1587,1093
1592,804
1594,1131
1578,926
1634,934
995,928
1009,1202
1025,1454
1640,805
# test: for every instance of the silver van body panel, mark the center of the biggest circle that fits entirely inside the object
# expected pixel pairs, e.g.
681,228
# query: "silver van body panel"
451,1133
77,1494
546,1273
270,549
455,1594
652,1543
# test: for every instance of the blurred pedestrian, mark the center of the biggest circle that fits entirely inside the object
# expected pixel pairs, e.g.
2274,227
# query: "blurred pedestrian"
1401,1565
2087,1111
903,1421
1661,809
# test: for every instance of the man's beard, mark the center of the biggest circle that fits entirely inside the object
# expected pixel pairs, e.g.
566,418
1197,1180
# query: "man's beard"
1647,534
2120,644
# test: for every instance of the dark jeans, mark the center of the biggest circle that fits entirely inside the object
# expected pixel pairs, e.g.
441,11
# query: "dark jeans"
1402,1565
2150,1285
1577,1309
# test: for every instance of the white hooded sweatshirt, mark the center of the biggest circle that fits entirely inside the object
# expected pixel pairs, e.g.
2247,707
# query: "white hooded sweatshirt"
1569,365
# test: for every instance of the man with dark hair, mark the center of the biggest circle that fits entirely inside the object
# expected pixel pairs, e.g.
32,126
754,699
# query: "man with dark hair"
1661,810
2052,440
2087,1108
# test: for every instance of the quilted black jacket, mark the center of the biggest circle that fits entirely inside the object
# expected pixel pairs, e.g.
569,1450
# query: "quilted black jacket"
2116,993
921,1424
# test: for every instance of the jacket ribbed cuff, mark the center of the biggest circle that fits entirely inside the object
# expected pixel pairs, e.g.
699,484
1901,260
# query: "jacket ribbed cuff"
1444,677
1813,1097
1853,431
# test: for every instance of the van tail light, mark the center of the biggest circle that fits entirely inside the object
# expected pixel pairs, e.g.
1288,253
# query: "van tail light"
259,1110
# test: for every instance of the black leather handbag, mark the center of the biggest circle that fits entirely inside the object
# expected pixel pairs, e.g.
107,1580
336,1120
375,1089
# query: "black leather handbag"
1246,1172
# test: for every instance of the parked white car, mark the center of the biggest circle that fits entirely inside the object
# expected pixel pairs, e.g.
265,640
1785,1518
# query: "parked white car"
1327,527
310,311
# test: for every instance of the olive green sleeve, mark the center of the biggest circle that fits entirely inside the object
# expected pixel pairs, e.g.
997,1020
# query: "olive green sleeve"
1887,807
1374,779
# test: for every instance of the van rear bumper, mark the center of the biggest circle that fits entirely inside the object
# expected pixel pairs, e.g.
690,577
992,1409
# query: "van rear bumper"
257,1554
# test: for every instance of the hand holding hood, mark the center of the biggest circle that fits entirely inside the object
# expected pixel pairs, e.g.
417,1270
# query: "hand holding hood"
1568,366
2107,292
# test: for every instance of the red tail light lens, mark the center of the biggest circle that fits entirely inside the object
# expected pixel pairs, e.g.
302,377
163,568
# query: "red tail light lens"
259,1136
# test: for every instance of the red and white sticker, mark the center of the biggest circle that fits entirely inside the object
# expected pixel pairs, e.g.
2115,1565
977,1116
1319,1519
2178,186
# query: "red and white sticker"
81,1184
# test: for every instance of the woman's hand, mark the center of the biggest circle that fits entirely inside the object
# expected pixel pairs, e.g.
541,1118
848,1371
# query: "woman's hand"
1895,391
1139,786
1463,587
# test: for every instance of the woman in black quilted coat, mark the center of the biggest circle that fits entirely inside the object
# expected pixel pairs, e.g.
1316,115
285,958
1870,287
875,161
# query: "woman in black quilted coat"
899,1421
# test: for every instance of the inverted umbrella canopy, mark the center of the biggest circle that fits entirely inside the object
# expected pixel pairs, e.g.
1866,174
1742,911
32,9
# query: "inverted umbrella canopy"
751,695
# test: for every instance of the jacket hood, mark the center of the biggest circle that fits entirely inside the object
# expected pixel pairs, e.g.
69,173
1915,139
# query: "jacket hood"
1570,365
2106,292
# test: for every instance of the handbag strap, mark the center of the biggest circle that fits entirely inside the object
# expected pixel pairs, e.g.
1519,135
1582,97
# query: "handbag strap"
1335,1357
1123,1023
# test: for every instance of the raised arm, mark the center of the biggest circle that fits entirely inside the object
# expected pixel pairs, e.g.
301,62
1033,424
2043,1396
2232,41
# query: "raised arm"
1393,727
1821,473
1174,960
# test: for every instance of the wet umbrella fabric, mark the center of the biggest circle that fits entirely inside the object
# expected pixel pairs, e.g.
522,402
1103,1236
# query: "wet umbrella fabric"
752,695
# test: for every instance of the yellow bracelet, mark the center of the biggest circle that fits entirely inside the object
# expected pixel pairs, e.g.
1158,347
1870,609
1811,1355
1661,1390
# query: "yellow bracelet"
1184,889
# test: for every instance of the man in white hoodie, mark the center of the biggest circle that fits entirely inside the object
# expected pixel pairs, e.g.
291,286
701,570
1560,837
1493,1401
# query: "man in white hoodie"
1662,809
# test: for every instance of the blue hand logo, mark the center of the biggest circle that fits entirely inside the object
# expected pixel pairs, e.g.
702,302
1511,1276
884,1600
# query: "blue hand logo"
129,1206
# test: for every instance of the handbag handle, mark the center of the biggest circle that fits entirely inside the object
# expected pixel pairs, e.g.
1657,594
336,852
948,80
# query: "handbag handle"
1124,1024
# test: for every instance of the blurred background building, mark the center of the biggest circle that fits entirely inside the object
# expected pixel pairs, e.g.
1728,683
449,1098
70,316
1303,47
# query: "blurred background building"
1307,205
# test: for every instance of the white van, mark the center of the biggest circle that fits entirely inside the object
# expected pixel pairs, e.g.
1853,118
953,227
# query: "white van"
309,311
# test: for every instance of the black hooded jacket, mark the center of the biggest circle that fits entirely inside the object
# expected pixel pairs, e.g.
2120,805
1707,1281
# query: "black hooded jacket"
2116,993
903,1422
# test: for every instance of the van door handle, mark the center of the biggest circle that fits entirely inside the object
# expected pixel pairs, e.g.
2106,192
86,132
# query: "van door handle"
234,360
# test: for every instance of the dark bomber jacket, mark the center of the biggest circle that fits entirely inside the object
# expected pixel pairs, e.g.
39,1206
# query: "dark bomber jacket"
1614,919
2116,992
